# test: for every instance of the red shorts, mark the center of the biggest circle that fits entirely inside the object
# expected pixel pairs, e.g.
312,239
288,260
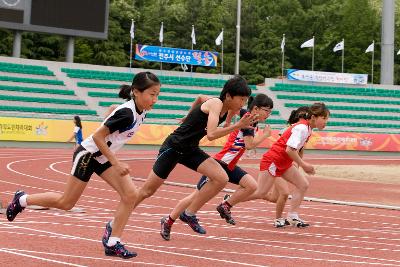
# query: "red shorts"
276,165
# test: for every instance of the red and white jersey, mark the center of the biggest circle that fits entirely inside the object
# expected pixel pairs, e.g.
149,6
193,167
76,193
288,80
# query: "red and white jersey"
235,146
295,136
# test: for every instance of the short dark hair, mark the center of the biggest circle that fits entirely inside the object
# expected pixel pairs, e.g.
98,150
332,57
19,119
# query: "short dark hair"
235,86
260,100
141,81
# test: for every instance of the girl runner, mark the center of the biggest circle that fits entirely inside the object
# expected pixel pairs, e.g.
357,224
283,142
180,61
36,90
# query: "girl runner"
97,154
278,161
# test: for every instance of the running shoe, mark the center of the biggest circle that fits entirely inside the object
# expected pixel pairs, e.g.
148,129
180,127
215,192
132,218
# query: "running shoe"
298,222
118,250
107,234
225,213
193,222
14,208
165,228
281,222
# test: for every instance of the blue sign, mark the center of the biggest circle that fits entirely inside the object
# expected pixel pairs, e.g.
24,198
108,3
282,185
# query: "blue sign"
176,55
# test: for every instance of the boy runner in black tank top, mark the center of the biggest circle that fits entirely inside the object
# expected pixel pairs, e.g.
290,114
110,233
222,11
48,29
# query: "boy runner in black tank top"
182,146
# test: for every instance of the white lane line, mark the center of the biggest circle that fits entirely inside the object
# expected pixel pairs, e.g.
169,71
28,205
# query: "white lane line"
151,230
261,222
233,252
144,220
338,237
144,248
93,258
39,258
264,245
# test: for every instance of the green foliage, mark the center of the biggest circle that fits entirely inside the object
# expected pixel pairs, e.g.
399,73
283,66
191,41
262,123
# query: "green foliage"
262,25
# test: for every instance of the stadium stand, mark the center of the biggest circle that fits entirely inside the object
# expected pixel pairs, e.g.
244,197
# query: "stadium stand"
356,109
32,88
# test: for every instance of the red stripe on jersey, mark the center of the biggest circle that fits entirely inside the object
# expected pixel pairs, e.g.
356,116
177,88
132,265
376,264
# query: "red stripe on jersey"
232,150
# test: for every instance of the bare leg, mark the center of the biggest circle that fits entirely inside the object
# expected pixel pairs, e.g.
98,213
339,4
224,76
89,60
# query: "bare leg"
182,205
217,180
265,182
128,193
247,187
153,182
66,201
294,176
282,188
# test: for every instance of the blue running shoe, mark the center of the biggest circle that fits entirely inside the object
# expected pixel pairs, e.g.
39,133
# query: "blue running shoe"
14,208
107,234
193,222
118,250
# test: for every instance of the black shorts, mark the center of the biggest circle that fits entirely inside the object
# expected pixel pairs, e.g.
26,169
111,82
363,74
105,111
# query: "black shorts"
168,157
84,165
234,175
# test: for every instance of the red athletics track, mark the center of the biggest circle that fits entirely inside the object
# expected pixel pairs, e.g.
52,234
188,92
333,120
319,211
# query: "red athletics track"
339,235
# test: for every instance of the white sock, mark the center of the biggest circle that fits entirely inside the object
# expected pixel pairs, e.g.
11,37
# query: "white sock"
22,201
113,240
111,223
189,213
293,215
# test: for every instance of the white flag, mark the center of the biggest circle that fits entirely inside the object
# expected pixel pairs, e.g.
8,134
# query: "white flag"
283,43
161,33
339,46
370,48
398,52
219,39
132,30
193,36
309,43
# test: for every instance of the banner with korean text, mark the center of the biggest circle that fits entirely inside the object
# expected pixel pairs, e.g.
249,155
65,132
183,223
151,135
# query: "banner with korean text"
47,130
327,77
176,55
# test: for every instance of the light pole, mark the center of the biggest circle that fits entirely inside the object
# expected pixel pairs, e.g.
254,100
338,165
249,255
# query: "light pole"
239,4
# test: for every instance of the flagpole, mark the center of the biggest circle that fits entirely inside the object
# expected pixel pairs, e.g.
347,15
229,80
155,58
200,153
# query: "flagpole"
222,52
312,62
130,54
343,56
191,66
283,58
162,24
372,63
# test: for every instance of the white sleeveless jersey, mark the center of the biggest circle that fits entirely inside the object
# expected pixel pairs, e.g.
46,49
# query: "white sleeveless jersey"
123,123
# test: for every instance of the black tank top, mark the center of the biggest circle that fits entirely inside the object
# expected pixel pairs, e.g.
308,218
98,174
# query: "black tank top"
191,131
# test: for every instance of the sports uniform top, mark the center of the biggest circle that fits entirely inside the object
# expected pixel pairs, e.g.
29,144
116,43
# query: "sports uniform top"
235,146
123,123
295,137
191,131
78,135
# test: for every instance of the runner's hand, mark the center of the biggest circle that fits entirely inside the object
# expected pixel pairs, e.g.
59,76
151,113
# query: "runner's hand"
122,168
308,168
248,120
267,130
